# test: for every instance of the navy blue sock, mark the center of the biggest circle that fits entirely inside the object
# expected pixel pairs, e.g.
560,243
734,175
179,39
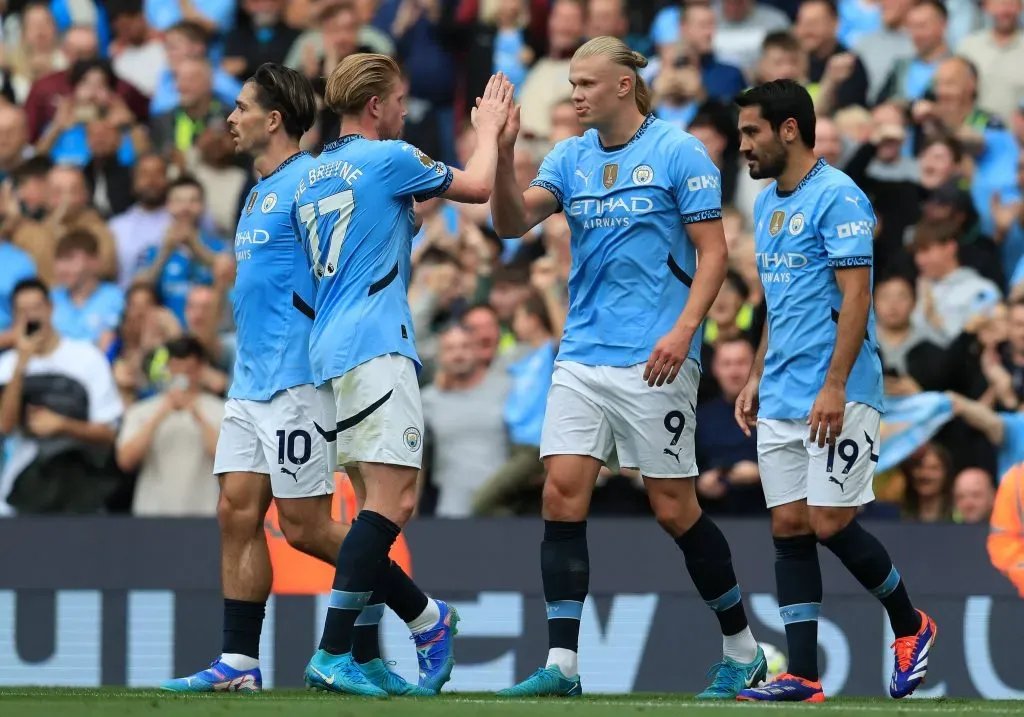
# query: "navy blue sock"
565,569
798,579
361,563
709,562
868,561
243,622
403,595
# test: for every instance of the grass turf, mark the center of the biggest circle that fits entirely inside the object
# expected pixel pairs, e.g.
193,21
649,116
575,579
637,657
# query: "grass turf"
118,702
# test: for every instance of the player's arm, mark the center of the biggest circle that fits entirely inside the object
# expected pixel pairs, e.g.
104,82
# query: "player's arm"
698,195
514,212
846,226
852,324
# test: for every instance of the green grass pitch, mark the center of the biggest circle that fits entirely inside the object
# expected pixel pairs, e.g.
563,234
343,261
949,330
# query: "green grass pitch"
119,702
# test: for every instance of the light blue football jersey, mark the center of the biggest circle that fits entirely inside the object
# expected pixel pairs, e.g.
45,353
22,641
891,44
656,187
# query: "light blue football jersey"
273,296
632,262
353,211
801,239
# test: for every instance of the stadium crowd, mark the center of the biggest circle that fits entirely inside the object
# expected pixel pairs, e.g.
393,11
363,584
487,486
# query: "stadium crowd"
120,193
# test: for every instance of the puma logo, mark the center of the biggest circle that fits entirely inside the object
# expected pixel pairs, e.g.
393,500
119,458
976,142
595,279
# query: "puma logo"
841,484
675,455
294,474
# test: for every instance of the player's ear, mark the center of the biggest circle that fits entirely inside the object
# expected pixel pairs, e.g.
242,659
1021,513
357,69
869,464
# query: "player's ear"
274,120
625,85
375,106
788,130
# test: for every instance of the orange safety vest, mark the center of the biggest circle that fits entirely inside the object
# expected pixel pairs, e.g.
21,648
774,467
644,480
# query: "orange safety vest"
1006,528
296,573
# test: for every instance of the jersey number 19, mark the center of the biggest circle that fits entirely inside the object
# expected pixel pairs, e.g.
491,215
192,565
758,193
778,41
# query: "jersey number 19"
343,203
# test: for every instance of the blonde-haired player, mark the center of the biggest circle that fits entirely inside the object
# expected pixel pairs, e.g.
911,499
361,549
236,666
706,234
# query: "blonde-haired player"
354,211
643,202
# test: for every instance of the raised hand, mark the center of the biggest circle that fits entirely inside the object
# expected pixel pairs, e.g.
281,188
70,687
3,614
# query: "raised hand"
492,110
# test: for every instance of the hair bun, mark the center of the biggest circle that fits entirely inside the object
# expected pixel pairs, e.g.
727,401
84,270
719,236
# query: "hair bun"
639,60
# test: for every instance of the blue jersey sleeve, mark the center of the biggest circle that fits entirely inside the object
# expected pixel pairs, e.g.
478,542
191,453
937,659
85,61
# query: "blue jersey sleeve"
551,176
847,227
697,182
412,173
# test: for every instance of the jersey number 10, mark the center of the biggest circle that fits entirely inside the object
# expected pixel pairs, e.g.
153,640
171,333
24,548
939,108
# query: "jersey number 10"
343,203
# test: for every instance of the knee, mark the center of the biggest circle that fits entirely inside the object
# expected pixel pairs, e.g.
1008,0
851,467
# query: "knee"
790,520
300,535
238,517
827,522
676,513
405,508
562,499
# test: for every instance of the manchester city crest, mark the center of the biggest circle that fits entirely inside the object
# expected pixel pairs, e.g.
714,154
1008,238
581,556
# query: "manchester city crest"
643,174
412,438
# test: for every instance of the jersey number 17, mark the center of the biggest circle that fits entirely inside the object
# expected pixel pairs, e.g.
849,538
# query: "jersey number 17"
309,214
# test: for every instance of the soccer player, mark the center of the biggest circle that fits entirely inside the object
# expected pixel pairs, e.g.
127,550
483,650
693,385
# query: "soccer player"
355,215
268,446
815,391
643,201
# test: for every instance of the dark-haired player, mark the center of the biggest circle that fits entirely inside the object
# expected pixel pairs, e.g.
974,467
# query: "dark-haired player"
815,391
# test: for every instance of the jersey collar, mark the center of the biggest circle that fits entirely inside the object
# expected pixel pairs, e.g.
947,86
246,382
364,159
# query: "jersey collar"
639,133
341,142
284,164
818,166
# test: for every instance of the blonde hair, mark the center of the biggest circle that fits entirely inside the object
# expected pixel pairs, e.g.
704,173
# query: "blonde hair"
358,79
618,52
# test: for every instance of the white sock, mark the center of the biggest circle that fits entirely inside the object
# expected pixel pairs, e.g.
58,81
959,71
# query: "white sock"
566,660
427,619
239,662
741,647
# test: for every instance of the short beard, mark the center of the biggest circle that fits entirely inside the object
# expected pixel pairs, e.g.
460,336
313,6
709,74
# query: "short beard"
771,166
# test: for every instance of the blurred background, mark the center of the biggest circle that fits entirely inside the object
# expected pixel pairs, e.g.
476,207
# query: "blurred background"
120,190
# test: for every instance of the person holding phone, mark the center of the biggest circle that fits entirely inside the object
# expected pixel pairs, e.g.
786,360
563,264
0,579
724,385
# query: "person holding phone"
59,406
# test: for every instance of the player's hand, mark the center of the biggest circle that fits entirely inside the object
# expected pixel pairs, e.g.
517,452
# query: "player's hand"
667,357
746,406
826,419
43,422
491,113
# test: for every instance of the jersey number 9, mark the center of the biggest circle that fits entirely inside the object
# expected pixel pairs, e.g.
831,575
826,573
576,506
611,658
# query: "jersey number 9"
343,203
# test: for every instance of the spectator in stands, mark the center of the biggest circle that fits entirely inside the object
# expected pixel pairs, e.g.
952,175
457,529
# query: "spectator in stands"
512,285
137,53
697,30
213,16
910,78
742,27
67,208
781,58
59,408
912,363
929,490
997,53
84,308
308,48
547,82
203,311
466,440
881,49
93,97
187,253
38,53
564,122
80,44
15,266
14,146
836,77
189,40
175,132
973,496
951,205
948,294
143,226
530,376
145,328
260,36
827,143
223,180
729,481
170,439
